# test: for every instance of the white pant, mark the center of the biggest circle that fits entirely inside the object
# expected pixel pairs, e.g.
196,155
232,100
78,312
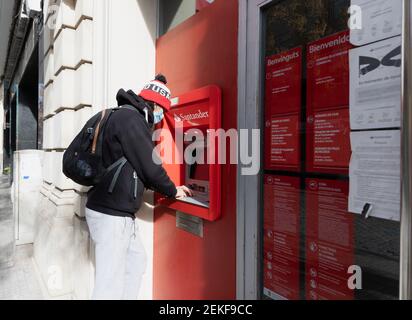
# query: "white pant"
120,256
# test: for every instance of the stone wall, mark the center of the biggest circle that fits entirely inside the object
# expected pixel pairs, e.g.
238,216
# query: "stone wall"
68,50
89,53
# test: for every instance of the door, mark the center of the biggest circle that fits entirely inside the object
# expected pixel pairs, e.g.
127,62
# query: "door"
329,108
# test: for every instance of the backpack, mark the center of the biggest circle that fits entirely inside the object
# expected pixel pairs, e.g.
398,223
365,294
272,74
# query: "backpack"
83,159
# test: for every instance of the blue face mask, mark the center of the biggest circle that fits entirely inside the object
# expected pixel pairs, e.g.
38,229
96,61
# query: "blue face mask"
158,115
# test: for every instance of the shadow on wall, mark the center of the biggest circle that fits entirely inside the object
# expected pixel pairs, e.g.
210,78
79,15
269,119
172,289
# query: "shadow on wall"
146,7
132,28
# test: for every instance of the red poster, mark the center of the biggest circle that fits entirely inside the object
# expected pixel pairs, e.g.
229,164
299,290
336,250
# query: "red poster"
329,240
328,72
282,146
283,83
328,141
281,239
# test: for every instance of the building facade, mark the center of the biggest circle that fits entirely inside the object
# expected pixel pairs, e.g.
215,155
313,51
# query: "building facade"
292,229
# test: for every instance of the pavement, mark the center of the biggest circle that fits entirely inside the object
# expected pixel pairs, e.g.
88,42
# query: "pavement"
20,281
6,223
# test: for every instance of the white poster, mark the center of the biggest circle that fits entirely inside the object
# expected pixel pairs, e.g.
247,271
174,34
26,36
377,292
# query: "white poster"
374,173
381,19
375,85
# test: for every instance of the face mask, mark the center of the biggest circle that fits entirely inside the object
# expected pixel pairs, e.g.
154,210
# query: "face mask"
158,115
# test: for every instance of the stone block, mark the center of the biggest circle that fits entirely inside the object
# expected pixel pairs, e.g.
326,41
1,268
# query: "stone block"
63,128
48,166
64,50
83,93
59,179
84,42
83,10
48,134
49,67
65,17
64,90
49,101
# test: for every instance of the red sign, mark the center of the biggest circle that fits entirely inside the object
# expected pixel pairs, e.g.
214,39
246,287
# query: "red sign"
281,239
328,72
329,240
190,116
328,145
282,147
283,83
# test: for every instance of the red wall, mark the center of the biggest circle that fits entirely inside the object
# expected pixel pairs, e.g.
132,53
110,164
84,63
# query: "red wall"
199,52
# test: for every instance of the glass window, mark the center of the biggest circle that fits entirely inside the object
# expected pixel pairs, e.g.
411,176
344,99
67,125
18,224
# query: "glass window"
330,225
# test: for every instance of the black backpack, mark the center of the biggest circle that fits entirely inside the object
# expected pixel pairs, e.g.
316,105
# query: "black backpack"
82,161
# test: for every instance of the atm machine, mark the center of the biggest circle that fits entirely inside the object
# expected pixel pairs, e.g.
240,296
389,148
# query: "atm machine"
195,116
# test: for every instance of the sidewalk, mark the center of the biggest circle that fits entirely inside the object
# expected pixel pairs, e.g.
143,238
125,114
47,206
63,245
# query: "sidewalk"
6,223
20,281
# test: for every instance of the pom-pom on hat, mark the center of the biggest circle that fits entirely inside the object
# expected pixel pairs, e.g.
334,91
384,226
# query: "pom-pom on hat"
157,92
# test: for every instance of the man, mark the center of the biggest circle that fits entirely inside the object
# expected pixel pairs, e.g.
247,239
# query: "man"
120,256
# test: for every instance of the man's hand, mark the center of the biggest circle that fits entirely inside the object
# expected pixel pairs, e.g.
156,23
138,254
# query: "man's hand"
183,192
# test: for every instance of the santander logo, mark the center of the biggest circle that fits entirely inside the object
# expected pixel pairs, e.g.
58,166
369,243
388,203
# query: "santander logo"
191,116
177,118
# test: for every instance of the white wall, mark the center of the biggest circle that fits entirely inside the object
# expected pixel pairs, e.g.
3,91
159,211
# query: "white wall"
131,45
125,57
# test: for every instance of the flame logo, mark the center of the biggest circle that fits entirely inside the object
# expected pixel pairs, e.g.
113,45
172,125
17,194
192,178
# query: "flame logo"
177,118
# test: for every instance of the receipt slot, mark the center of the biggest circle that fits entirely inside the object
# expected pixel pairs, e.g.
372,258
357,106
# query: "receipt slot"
190,125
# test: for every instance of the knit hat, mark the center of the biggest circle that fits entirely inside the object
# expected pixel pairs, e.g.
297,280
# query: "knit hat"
157,92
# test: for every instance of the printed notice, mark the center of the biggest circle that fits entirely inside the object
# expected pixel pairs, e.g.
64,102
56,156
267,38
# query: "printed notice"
282,236
375,85
328,145
283,82
331,139
381,19
374,173
329,240
328,72
282,136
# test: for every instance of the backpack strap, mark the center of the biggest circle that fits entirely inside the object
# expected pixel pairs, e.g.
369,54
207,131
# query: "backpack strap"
96,135
114,165
119,164
99,132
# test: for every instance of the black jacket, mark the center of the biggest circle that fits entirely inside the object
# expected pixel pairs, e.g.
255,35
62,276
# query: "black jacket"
127,134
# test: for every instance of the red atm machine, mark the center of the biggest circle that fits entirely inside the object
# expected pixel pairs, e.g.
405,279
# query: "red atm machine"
193,147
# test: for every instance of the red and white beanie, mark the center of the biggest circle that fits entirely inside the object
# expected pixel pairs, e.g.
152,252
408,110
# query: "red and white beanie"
157,92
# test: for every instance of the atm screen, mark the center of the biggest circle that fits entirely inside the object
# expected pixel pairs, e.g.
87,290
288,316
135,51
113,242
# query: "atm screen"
197,175
199,172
